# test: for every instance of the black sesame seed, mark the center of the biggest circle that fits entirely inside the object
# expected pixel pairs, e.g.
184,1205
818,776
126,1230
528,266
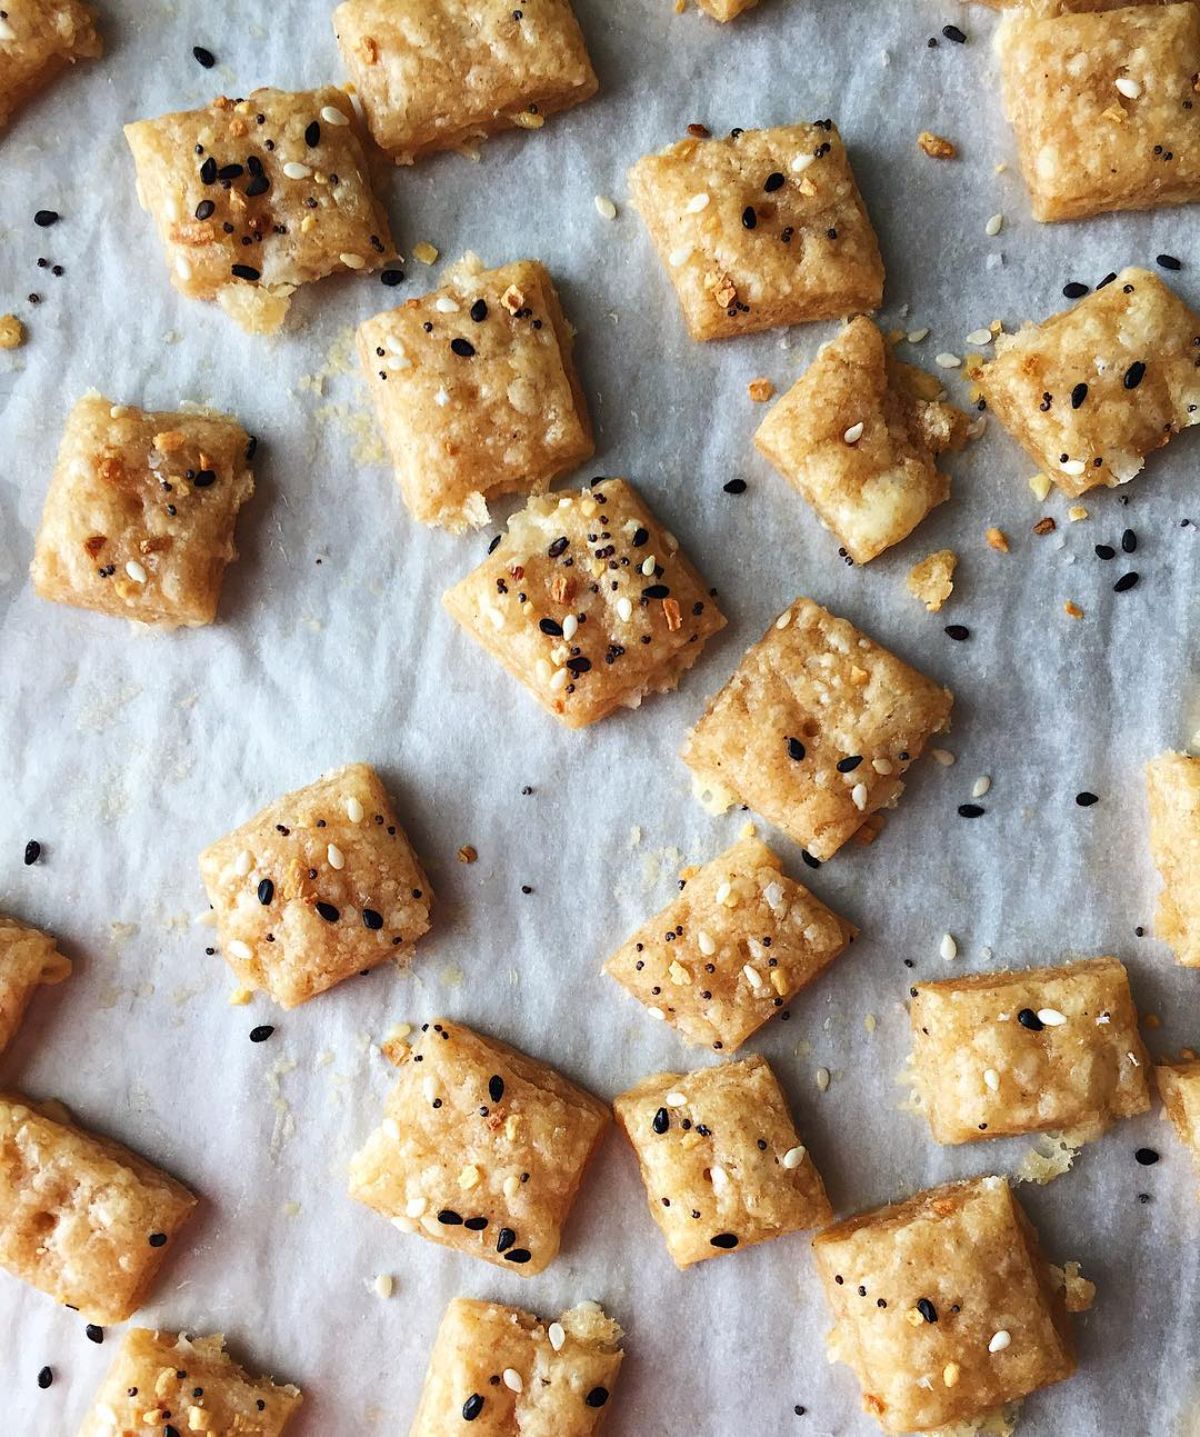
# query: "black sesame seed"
449,1218
45,218
1134,374
749,218
773,182
392,277
1168,261
795,749
958,631
519,1255
312,135
1085,799
809,859
33,851
208,171
495,1087
371,919
1078,395
204,57
259,185
724,1239
204,478
472,1407
479,311
927,1309
1146,1156
44,1378
970,810
952,32
1074,290
266,891
1126,581
205,209
261,1033
245,271
551,627
230,172
559,545
463,348
1105,551
157,1239
94,1333
597,1397
640,536
655,591
1129,541
505,1239
735,486
579,665
475,1224
849,763
662,1121
1029,1019
328,912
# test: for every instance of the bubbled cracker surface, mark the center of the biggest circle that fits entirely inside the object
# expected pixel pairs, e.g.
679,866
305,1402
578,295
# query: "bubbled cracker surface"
738,943
789,268
47,36
716,1170
478,1341
465,428
583,556
815,679
1029,386
1083,1073
156,1373
449,1152
873,491
376,904
300,229
967,1246
1086,148
1173,784
124,494
77,1212
28,958
432,77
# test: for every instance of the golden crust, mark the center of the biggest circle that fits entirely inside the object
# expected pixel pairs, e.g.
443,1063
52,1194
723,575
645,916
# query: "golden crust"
28,958
718,967
854,436
1105,108
482,1149
292,223
155,1376
814,693
1133,347
133,524
969,1252
982,1073
38,40
589,602
343,888
724,10
552,1387
720,1159
1173,785
81,1217
1064,7
438,76
506,417
810,254
1179,1087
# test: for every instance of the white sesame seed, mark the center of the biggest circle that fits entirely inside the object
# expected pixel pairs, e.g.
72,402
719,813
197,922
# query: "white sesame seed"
354,809
556,1335
333,116
1073,467
6,31
991,1079
243,863
605,207
793,1157
696,203
624,609
994,226
786,618
980,786
915,336
801,162
679,256
822,1079
445,305
569,625
719,1178
657,1014
404,1224
352,261
648,565
854,433
337,859
858,795
1051,1017
753,976
294,170
1129,87
942,756
947,361
558,680
1000,1340
384,1284
415,1207
135,571
980,336
723,892
182,268
676,1100
238,949
512,1379
705,944
948,948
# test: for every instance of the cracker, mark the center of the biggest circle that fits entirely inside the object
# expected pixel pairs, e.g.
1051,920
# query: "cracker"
482,1149
319,886
1179,1087
921,1294
39,39
589,602
1092,391
720,1159
931,579
441,76
762,229
725,10
857,435
815,729
1173,785
1105,108
997,1054
475,391
140,514
28,958
81,1217
161,1381
285,172
518,1375
740,941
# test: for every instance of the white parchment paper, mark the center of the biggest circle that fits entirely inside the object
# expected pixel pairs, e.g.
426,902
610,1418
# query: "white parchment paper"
125,753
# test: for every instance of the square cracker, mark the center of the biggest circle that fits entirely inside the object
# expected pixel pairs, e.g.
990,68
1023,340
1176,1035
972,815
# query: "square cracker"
38,40
1179,1087
254,197
81,1217
140,513
815,729
920,1293
319,886
482,1149
517,1374
1092,391
997,1054
762,229
154,1379
857,435
28,958
1173,788
476,392
721,1162
738,943
1106,108
436,76
589,601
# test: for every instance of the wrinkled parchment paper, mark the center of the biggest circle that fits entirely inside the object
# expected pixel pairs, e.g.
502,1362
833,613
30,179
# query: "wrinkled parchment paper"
125,752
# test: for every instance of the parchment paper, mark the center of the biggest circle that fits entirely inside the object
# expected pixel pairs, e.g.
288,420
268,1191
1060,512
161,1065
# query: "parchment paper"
125,753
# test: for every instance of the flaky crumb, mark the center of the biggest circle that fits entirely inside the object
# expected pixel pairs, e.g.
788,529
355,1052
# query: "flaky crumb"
1051,1156
1071,608
936,146
425,252
1045,526
1076,512
12,332
1040,485
998,540
467,853
760,390
931,580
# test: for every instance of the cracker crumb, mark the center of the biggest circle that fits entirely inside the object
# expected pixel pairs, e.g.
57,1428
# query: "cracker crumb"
1071,608
998,540
425,252
1051,1156
931,580
240,997
1076,512
1045,526
12,332
467,853
760,390
1040,485
936,146
384,1285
